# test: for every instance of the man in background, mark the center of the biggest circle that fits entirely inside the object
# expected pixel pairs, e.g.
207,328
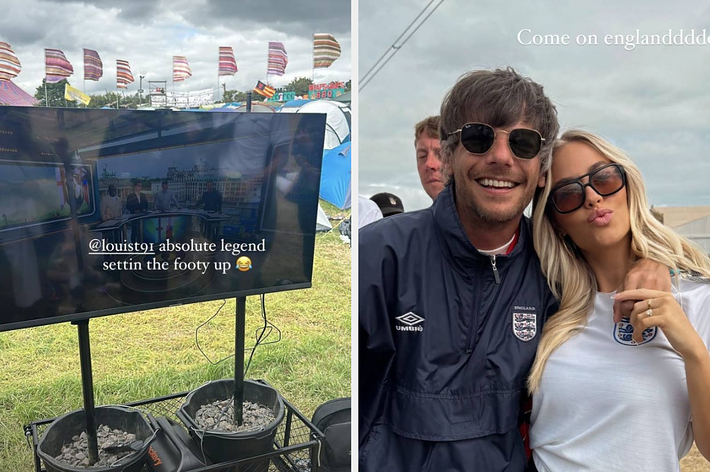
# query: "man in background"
428,148
388,203
211,199
165,198
136,203
111,204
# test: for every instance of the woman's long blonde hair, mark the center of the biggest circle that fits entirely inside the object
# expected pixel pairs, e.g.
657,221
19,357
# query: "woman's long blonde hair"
568,274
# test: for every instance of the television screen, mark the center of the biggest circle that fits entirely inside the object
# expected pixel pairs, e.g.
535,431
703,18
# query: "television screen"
108,211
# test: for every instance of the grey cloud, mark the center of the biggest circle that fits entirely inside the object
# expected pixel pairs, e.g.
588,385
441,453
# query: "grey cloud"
296,17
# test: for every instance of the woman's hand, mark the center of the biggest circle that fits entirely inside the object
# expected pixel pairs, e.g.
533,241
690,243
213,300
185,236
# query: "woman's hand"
656,308
647,274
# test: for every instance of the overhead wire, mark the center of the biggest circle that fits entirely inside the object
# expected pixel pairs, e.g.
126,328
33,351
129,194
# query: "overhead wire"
395,47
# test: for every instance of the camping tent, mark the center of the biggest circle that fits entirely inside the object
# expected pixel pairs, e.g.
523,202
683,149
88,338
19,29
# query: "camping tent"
11,94
335,176
322,222
337,125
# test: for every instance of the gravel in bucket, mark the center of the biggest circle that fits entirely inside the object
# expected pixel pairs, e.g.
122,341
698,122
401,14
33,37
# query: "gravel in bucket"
76,453
219,416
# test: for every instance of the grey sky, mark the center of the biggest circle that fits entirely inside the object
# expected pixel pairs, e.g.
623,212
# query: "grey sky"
148,33
652,101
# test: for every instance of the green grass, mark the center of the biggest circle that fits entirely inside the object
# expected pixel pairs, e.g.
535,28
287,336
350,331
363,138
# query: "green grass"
333,211
147,354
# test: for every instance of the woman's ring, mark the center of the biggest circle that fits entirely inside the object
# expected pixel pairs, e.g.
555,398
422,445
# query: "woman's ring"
649,303
649,312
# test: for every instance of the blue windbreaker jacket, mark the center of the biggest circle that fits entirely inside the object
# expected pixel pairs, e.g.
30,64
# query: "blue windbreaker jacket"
446,339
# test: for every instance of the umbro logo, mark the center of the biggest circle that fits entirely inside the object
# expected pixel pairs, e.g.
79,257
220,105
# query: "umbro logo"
409,322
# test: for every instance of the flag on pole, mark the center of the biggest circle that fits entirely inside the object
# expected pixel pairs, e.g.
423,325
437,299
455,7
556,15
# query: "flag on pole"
278,59
93,67
57,67
263,89
181,69
123,74
227,63
325,50
75,95
9,63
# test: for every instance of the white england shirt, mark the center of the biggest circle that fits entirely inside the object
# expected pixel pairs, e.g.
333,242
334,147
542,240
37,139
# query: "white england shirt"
605,404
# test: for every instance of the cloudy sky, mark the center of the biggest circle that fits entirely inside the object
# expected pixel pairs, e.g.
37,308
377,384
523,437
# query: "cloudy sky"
148,33
652,101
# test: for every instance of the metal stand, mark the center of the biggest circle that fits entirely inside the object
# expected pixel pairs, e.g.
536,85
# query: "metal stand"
87,387
249,100
239,333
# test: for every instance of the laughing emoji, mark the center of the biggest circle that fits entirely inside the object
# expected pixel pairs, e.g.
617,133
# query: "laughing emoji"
244,263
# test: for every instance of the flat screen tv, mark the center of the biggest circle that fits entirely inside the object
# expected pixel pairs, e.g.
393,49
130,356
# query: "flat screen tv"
107,211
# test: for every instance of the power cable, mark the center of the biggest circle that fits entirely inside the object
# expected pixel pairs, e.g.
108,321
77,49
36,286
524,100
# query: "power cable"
392,50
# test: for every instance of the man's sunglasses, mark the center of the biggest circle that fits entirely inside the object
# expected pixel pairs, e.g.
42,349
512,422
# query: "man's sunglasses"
478,138
606,180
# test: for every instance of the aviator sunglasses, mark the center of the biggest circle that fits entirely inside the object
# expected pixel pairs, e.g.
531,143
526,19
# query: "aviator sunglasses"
478,138
569,196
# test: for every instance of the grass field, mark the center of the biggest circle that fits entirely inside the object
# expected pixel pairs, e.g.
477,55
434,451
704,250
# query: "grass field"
147,354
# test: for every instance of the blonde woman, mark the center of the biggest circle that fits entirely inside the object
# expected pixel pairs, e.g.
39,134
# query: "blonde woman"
627,394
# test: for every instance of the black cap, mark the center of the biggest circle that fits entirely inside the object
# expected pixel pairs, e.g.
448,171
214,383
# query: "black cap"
389,204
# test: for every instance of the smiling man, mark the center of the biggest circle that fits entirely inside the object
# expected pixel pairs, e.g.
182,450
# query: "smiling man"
452,298
428,149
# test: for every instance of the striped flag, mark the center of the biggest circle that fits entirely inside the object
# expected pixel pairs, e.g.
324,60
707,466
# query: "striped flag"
325,50
278,59
123,74
9,63
263,89
57,67
181,69
93,67
227,63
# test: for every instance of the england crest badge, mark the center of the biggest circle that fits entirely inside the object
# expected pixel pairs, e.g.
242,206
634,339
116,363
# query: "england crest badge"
524,326
624,331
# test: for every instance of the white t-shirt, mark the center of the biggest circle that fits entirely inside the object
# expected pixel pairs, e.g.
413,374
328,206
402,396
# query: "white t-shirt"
606,405
368,212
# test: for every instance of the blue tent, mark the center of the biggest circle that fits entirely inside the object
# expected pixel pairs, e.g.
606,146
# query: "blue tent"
335,176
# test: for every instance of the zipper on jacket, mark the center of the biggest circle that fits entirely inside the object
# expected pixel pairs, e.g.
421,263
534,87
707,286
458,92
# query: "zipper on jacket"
495,269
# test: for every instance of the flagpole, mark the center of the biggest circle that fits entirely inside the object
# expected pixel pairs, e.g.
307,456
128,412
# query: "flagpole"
46,99
217,75
313,62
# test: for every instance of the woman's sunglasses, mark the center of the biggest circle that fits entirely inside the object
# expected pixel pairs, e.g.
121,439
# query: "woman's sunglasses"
478,138
569,196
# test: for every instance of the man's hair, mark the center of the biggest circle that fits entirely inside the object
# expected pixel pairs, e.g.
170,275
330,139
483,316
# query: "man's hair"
499,98
429,125
165,182
137,183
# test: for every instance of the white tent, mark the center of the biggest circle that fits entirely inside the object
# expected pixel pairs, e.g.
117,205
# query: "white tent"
322,222
337,125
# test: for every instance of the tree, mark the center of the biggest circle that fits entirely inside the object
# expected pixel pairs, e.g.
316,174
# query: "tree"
348,85
55,94
234,96
299,85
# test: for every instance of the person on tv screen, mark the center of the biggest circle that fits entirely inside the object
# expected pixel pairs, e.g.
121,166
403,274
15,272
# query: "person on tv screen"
111,204
136,201
211,199
452,299
165,198
601,383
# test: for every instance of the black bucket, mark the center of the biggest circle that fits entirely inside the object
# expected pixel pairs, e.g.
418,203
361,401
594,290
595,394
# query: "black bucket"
222,446
65,427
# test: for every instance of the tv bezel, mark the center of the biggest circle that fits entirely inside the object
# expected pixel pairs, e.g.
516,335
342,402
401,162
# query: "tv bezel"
127,309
